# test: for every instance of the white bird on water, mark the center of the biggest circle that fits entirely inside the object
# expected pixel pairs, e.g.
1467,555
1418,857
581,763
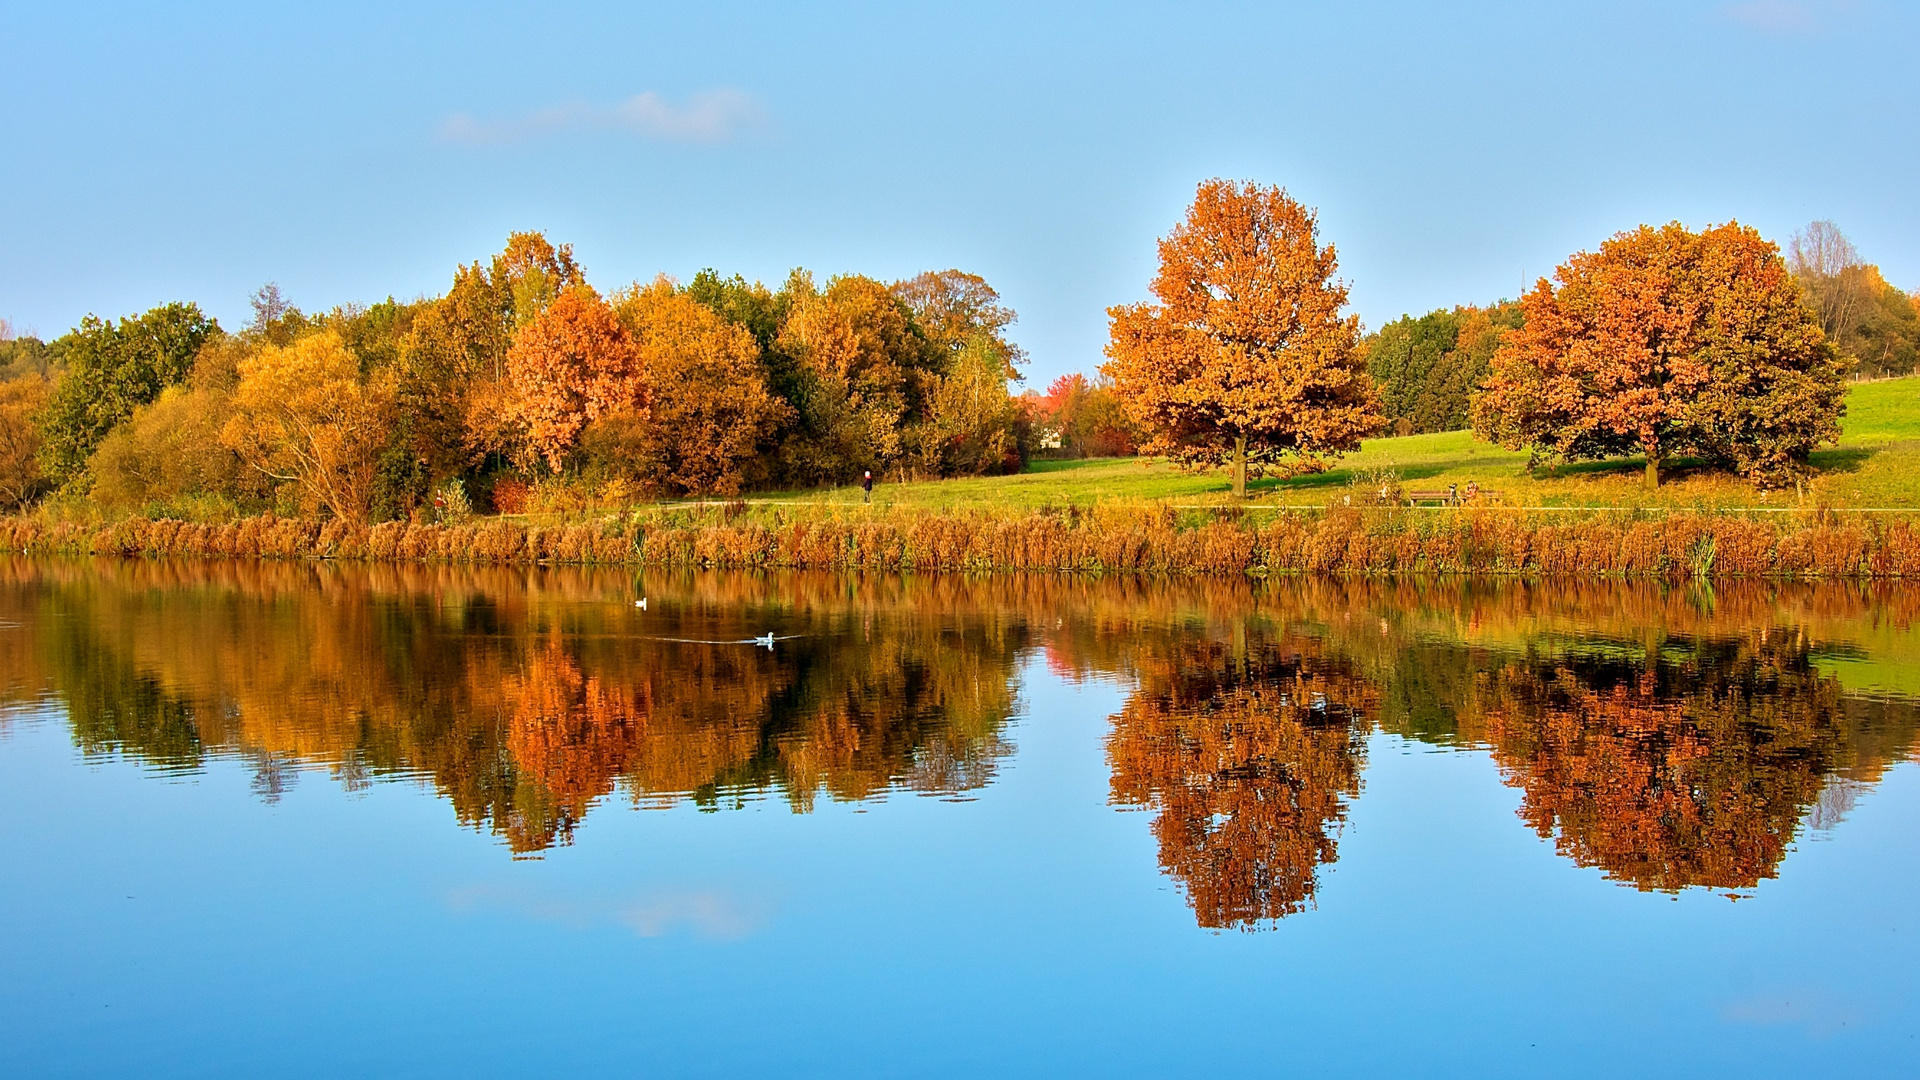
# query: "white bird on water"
765,639
641,603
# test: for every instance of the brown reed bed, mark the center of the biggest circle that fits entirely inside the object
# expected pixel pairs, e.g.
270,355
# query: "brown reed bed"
1125,539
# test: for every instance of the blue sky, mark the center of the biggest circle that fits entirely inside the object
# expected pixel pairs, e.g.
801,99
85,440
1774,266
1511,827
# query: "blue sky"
355,151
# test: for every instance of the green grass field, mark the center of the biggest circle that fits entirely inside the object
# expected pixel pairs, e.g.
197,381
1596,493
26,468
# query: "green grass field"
1877,464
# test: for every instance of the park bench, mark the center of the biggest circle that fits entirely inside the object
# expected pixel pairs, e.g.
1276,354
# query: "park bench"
1449,497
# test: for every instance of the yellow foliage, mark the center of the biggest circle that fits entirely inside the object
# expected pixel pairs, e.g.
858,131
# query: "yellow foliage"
20,473
171,448
302,415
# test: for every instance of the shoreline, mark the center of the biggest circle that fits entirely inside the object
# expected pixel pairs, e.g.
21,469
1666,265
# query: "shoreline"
1126,539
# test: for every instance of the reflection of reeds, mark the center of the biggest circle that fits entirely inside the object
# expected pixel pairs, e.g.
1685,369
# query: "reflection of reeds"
1116,539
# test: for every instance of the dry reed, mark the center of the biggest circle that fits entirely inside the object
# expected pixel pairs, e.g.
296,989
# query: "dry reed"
1113,539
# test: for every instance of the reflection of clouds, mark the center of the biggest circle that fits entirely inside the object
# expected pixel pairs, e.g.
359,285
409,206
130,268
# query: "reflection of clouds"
708,913
1815,1011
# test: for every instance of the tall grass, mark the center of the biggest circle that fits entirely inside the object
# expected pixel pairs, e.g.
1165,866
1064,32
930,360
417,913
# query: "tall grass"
1118,539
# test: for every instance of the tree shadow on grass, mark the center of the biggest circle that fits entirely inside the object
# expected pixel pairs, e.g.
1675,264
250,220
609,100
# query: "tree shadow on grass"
1849,460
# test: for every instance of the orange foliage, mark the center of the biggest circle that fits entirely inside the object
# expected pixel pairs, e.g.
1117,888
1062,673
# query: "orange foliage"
571,734
1690,767
711,410
1249,756
570,364
1246,357
1668,342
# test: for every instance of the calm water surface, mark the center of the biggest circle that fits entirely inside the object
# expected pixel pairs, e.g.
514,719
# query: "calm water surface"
315,820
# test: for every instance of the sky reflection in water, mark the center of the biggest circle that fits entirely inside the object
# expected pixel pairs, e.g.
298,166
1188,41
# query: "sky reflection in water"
1492,829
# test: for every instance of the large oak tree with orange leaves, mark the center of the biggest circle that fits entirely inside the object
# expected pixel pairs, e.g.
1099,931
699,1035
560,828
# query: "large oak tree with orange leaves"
1669,342
1246,356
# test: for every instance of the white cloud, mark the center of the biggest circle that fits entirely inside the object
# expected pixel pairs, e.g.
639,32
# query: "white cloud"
1787,16
707,118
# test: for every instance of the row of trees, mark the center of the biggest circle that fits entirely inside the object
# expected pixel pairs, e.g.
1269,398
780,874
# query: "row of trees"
1665,342
1870,321
524,371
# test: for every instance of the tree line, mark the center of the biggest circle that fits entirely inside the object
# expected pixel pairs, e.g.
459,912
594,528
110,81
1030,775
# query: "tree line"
524,382
1665,342
523,376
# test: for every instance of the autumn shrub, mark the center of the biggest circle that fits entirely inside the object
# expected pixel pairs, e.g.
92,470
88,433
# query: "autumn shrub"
450,503
20,475
171,449
508,496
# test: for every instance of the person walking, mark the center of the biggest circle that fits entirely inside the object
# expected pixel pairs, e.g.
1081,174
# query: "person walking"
866,485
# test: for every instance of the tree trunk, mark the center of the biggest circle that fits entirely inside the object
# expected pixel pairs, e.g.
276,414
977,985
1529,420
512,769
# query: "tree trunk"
1240,467
1653,470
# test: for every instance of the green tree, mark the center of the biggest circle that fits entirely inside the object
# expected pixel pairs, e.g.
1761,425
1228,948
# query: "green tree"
1428,368
113,369
861,370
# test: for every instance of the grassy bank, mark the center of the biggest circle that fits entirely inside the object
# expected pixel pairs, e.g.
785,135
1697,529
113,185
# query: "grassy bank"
1876,464
1132,538
1130,516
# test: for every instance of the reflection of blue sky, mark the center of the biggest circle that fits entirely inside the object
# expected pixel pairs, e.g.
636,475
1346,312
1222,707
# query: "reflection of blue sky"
1456,151
171,928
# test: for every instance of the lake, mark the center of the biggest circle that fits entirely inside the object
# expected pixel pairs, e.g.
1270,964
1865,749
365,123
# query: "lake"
317,820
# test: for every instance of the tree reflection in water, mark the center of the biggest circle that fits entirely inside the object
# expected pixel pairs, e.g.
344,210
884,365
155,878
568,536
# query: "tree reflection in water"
1686,762
523,697
1248,756
1669,737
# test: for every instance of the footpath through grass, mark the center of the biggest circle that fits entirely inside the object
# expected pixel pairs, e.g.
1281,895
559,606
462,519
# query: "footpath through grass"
1877,464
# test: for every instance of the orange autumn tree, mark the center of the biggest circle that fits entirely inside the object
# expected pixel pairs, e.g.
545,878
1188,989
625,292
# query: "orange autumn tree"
1246,356
711,411
569,365
1668,342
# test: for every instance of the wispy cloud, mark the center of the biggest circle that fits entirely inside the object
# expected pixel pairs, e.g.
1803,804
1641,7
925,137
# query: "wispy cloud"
1787,16
707,118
